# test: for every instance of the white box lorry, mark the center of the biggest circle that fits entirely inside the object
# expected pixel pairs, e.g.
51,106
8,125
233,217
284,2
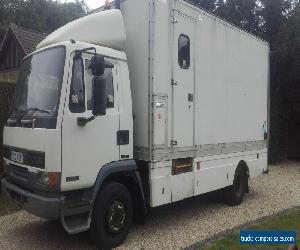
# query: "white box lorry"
133,108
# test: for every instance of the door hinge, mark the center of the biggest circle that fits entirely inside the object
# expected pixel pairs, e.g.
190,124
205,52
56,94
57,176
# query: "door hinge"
174,82
174,143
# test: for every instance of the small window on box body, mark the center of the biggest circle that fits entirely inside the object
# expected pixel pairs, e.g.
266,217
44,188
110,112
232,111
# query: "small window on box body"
184,51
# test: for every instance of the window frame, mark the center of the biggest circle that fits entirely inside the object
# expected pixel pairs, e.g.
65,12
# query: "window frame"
113,81
113,88
189,43
82,109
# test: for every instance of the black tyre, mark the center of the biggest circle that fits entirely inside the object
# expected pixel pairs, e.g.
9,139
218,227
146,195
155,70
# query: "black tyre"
112,216
234,194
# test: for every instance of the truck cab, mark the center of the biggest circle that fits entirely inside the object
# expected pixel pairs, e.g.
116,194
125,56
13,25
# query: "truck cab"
71,117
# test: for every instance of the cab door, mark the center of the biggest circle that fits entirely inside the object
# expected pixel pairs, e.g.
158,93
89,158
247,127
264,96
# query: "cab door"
183,82
85,149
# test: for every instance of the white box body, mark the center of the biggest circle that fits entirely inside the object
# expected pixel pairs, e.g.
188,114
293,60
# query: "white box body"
228,79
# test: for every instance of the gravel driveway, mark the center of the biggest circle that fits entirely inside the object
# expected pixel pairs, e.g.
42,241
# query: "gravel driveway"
171,227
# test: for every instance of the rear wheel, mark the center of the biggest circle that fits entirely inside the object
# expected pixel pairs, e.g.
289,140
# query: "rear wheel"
112,216
234,194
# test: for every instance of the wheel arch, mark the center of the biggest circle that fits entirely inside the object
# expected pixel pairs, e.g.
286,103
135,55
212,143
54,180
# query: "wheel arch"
126,173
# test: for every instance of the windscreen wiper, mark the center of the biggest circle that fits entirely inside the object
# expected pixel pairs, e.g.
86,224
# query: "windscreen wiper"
36,109
32,121
18,110
13,120
33,109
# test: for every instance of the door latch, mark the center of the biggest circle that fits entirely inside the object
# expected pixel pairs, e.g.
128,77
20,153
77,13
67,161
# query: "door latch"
174,20
174,82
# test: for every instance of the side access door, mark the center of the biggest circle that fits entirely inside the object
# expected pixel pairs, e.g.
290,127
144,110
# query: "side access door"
183,82
183,105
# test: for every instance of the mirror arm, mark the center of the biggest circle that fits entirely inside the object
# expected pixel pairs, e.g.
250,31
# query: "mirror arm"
79,52
82,121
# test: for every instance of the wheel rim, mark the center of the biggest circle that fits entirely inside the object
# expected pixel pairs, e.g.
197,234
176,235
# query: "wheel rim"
115,217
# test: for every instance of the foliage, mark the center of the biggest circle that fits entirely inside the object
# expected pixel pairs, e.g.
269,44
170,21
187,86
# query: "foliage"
243,13
41,15
206,4
287,54
260,17
6,95
274,14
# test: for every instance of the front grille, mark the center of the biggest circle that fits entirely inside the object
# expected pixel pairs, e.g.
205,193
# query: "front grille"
36,159
30,158
19,172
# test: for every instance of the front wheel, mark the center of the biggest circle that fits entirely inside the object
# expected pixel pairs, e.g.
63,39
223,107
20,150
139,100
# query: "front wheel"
234,194
112,216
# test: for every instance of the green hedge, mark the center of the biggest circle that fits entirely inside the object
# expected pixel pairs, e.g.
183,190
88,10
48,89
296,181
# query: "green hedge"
6,95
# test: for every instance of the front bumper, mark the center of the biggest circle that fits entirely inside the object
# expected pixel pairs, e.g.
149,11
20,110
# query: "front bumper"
45,207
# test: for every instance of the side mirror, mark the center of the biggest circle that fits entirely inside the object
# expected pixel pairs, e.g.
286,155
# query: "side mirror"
97,65
99,96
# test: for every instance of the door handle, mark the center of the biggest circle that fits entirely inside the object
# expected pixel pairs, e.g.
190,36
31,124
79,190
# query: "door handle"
82,121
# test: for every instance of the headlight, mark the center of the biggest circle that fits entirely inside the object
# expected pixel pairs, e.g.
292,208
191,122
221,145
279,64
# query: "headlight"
49,179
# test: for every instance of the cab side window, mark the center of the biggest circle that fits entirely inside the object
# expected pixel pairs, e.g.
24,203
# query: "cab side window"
108,75
77,92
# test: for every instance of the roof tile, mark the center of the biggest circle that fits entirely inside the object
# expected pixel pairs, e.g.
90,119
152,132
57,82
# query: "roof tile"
27,38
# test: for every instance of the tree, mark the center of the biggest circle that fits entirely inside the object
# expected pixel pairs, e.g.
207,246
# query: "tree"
285,78
274,14
41,15
242,13
206,4
286,53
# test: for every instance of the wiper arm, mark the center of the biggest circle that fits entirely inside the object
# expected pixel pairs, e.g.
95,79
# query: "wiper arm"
34,109
37,109
16,109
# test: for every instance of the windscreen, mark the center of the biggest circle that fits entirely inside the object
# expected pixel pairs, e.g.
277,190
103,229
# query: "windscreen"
39,82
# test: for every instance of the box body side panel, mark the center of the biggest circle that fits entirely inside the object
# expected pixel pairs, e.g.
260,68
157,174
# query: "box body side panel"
230,81
231,84
136,18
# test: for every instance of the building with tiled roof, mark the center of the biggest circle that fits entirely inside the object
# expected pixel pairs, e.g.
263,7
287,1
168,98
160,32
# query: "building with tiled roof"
17,43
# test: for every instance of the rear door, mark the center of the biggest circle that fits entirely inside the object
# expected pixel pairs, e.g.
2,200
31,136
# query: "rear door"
183,82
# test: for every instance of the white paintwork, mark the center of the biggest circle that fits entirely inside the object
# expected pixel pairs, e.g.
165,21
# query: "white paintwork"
86,149
228,79
41,140
182,186
160,122
183,110
214,172
136,19
160,183
230,72
104,28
